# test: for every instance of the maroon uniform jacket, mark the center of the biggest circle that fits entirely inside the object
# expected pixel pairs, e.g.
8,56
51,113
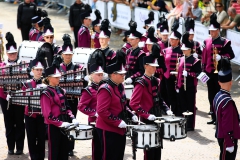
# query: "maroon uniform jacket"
33,34
228,122
84,37
96,40
88,101
224,49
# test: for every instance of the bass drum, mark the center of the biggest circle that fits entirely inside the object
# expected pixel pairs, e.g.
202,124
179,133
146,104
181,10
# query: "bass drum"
28,50
81,56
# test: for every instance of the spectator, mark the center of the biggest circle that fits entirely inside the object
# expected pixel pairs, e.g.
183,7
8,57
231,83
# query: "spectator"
75,19
222,16
236,6
208,9
195,12
141,3
177,11
158,5
186,5
234,21
26,10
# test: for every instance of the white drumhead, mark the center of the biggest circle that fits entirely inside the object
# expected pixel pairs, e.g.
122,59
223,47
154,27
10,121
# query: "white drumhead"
128,87
84,126
28,50
172,118
145,127
81,56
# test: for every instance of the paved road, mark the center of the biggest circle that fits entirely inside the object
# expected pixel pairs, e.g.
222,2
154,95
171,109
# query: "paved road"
199,145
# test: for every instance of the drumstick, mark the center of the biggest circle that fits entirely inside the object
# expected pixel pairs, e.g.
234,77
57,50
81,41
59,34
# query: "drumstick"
158,117
139,121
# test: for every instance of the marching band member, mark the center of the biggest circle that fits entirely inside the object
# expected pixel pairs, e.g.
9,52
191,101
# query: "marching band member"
84,37
34,122
96,29
171,55
88,104
162,29
40,29
148,23
34,31
210,59
57,115
189,25
13,114
134,67
111,110
146,102
67,65
104,39
188,69
228,120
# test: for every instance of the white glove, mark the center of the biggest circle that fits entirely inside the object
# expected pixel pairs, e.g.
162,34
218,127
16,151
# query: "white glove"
128,81
86,78
169,112
218,57
122,124
151,117
65,125
96,115
105,76
195,55
75,122
135,118
93,36
177,90
230,149
184,73
8,97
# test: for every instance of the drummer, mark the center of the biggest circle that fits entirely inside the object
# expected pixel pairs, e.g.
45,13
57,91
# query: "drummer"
67,65
189,68
111,109
40,28
145,100
34,31
88,104
96,29
35,127
57,114
13,114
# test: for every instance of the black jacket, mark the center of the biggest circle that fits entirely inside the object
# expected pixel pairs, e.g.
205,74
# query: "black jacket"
74,14
25,13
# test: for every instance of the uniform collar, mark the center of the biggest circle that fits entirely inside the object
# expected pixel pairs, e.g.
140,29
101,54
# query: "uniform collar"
103,49
225,91
53,87
213,39
174,47
67,64
37,80
113,82
95,84
135,48
12,61
148,77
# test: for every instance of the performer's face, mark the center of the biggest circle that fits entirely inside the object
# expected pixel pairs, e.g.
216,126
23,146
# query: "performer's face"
97,28
191,37
49,39
118,78
164,37
214,34
97,77
87,22
67,58
104,42
149,47
12,56
187,52
54,81
174,42
150,70
37,73
134,42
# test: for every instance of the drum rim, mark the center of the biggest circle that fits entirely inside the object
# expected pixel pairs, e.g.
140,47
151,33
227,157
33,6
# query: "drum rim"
147,130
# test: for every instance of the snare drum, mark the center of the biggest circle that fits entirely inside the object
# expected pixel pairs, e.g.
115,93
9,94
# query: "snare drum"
81,56
128,91
174,128
146,136
28,50
82,132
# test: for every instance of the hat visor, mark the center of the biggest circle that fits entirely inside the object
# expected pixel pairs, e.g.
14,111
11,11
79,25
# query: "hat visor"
48,34
55,75
121,72
12,51
173,37
67,52
103,36
153,64
98,71
37,67
191,32
89,18
149,42
132,37
164,33
185,48
211,28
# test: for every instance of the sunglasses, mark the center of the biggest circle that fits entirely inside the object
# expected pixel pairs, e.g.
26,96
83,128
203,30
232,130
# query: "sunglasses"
51,37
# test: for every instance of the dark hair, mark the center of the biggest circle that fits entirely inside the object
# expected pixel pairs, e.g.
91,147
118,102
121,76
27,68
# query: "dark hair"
45,81
219,4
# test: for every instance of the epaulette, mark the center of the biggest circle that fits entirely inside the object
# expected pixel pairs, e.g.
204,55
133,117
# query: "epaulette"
88,90
141,81
105,86
83,29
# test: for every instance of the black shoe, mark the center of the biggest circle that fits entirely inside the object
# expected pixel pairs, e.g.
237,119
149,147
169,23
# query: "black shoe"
19,152
211,122
10,152
190,129
210,113
70,153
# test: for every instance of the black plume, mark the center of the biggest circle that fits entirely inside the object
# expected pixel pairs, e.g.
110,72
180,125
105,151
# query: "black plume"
57,60
39,12
213,18
189,23
88,8
185,38
9,37
224,64
47,23
98,14
121,57
133,26
151,31
156,50
175,25
66,39
151,16
104,25
100,59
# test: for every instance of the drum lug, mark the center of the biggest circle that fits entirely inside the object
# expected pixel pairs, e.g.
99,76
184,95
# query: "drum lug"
71,138
172,138
146,147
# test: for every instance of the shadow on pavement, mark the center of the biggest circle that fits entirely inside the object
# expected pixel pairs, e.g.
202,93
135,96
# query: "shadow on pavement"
195,135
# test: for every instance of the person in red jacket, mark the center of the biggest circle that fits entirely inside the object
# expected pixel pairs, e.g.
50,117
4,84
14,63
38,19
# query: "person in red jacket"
84,37
34,122
96,29
57,115
34,31
111,109
227,115
88,104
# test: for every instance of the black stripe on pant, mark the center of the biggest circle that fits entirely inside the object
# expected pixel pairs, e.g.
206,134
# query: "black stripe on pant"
96,146
57,142
113,145
153,154
171,91
35,128
225,155
14,124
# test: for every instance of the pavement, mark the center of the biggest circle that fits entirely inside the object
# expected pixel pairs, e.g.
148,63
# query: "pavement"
198,145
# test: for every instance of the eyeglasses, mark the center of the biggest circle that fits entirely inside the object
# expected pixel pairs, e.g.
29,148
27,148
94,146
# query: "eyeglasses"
51,37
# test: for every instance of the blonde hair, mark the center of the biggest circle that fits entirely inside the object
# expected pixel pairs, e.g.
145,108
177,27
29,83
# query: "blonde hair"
45,81
175,2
